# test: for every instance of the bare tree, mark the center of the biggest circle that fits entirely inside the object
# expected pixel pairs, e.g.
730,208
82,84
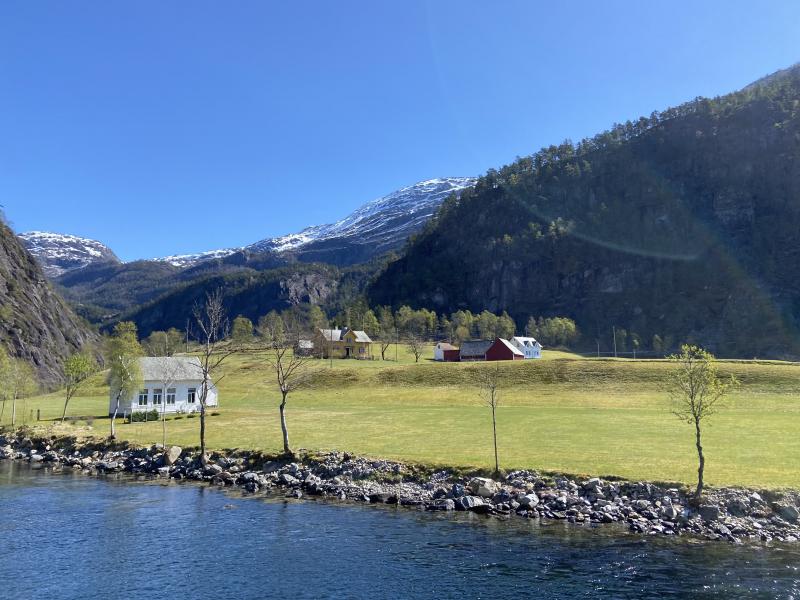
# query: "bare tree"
488,380
385,341
168,370
416,346
387,329
213,328
290,371
696,391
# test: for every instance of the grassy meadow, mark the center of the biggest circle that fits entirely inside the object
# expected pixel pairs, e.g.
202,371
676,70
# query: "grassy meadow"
563,413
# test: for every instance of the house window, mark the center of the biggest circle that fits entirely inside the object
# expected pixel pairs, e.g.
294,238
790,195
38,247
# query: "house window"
171,396
158,394
190,398
143,397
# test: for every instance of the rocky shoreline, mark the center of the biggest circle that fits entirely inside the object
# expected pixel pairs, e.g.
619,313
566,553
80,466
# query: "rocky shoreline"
734,515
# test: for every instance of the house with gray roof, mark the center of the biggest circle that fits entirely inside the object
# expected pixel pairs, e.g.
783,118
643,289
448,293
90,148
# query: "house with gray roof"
171,384
343,343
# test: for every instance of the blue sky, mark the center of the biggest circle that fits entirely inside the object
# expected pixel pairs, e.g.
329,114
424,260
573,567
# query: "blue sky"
162,127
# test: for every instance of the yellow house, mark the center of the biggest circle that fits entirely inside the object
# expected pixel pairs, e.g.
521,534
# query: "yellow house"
343,343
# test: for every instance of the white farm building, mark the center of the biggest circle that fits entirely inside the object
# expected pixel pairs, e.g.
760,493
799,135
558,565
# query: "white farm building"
440,349
172,384
528,346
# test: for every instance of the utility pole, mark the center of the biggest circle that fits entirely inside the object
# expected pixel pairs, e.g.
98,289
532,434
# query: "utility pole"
614,330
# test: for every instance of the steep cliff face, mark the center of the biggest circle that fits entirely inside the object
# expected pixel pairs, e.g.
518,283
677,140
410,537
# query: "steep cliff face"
35,323
684,225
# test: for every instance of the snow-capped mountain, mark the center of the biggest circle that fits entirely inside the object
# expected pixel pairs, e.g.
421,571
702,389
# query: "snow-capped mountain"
380,225
187,260
59,253
384,222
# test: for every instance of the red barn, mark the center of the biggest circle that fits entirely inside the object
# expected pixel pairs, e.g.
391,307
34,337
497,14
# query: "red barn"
503,350
453,355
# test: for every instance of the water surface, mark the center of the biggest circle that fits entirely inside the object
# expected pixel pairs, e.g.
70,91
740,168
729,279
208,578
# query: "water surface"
72,536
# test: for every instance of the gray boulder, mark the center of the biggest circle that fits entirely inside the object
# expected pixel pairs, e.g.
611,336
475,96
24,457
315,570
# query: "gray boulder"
528,500
287,479
213,469
787,512
709,512
484,487
172,455
469,502
446,505
669,512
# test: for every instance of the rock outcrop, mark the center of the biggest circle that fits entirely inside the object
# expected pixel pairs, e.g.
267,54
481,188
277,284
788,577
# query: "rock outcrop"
35,323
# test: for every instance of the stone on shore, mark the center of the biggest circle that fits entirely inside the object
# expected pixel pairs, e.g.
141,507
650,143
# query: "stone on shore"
468,502
787,512
709,512
172,455
484,487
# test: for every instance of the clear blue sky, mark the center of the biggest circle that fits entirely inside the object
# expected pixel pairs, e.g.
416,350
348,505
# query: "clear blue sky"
164,127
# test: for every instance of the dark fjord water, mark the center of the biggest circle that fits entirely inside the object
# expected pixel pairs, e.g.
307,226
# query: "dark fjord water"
72,536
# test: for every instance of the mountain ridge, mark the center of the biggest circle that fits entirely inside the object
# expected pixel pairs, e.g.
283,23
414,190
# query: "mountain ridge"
382,221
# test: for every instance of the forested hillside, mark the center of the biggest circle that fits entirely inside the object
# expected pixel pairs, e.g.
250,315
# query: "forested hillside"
683,225
253,294
35,323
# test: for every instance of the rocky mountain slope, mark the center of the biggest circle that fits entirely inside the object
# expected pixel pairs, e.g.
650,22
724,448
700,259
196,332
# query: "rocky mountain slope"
35,323
59,253
682,225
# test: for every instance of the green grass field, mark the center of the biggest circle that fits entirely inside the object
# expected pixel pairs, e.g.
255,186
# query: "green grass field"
562,413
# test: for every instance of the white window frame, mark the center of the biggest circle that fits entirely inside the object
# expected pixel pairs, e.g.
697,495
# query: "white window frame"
191,395
158,396
171,396
144,393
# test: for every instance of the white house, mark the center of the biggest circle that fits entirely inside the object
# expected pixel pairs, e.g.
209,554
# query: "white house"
440,348
528,346
169,383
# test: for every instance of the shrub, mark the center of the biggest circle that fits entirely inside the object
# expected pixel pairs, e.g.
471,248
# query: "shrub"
139,417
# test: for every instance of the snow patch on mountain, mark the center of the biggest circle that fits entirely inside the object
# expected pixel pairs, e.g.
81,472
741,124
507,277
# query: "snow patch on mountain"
187,260
385,220
59,253
383,223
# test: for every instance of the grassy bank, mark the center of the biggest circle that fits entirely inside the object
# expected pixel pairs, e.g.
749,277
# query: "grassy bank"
564,413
